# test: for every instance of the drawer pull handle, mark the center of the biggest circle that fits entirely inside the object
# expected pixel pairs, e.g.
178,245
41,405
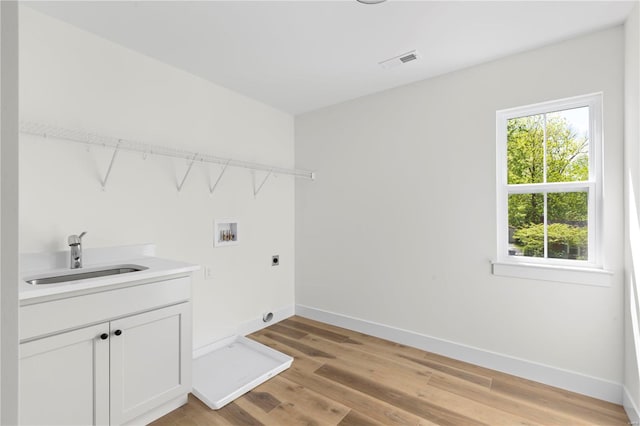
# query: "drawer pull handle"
104,336
117,332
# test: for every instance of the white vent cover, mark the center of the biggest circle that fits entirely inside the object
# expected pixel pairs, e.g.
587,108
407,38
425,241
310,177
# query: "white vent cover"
400,60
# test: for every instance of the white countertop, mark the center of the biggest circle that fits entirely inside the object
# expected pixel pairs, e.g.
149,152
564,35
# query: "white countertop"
49,264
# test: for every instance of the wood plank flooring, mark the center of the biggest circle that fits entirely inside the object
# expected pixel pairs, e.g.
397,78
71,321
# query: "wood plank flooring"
341,377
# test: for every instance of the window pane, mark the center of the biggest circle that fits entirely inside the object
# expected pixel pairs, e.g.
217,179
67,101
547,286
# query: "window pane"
568,145
525,152
567,234
526,225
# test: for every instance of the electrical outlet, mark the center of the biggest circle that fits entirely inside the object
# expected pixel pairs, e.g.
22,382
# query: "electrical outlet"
208,272
275,260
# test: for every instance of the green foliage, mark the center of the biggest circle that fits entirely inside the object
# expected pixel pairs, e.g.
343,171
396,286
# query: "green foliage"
525,155
568,207
565,241
566,153
525,209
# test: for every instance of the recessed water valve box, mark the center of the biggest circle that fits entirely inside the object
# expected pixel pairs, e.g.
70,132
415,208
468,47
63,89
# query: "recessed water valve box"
225,232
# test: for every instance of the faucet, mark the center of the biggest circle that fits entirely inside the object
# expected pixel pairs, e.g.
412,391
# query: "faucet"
75,243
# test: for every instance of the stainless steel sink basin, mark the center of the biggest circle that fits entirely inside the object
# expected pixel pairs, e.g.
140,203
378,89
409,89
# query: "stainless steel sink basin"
85,274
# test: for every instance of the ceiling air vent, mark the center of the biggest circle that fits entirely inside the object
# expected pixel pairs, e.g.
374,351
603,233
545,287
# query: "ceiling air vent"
409,57
399,60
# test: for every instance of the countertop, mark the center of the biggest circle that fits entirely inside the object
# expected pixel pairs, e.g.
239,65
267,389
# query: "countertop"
48,264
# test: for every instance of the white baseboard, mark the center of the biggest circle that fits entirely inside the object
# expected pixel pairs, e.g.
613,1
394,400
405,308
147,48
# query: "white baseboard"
245,328
630,407
565,379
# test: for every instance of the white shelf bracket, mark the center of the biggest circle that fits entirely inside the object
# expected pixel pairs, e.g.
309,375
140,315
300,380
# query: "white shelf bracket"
113,158
187,173
224,169
256,191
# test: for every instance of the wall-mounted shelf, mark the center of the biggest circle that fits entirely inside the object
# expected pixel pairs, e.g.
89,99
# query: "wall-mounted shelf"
55,132
225,232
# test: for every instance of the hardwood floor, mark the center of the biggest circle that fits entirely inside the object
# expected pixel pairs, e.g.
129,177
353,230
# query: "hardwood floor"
341,377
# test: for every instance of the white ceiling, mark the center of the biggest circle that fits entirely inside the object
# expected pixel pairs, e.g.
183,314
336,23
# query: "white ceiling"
303,55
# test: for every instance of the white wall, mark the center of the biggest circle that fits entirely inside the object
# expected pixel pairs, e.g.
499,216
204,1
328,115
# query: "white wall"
400,226
632,190
73,79
9,213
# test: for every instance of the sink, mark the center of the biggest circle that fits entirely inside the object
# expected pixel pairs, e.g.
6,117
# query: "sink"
84,274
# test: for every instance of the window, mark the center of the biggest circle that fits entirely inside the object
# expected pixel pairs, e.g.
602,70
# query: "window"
549,183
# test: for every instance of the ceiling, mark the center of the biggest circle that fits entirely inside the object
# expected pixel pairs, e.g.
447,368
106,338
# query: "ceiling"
299,56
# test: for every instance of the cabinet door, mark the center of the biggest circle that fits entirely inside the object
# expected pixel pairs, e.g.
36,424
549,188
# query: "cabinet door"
64,378
150,360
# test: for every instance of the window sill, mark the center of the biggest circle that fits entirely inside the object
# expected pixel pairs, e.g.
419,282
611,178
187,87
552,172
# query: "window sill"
585,276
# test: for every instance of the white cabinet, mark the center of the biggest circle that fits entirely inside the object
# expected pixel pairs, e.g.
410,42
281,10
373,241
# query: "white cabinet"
150,362
64,379
128,369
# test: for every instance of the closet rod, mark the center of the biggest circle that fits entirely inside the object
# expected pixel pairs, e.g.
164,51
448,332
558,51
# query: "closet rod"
48,131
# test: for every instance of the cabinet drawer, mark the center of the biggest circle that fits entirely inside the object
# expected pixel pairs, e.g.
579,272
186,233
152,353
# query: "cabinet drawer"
66,314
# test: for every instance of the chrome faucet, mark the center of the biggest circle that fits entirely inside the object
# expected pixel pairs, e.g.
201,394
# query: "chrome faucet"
75,243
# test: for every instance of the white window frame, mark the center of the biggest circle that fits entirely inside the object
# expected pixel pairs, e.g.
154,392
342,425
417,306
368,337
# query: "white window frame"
567,270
